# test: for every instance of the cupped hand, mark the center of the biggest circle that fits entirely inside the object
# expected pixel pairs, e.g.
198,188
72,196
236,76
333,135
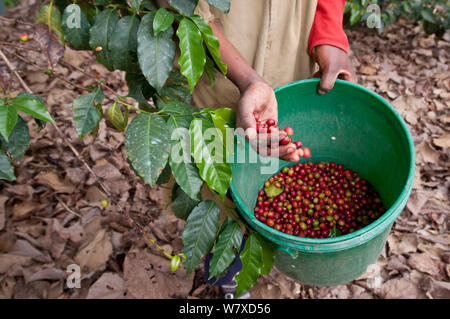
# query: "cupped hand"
259,98
333,63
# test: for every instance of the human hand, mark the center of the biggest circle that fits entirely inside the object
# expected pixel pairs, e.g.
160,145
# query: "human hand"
333,63
258,98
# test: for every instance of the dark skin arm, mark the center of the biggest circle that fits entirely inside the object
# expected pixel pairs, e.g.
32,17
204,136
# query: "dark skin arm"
258,97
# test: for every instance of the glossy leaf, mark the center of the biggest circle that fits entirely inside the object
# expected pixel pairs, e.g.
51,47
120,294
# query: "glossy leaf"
76,27
210,71
213,169
138,88
164,177
123,44
175,93
162,21
6,169
101,32
184,171
200,233
268,255
251,258
273,191
155,54
51,16
225,249
147,145
33,105
222,5
8,118
192,58
86,115
183,204
19,140
186,7
212,43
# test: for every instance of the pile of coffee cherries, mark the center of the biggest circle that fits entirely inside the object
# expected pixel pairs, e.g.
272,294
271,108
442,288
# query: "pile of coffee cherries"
317,200
270,126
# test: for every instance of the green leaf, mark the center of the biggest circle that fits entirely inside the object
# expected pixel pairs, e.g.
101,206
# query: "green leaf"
186,7
175,263
76,27
251,258
147,145
268,255
164,177
175,93
51,16
118,119
162,21
8,118
228,115
86,115
136,4
123,44
155,54
355,14
177,78
225,249
183,204
148,4
200,233
192,58
178,108
6,169
19,140
222,5
427,15
101,32
212,43
212,166
273,191
223,119
32,104
138,87
210,71
184,171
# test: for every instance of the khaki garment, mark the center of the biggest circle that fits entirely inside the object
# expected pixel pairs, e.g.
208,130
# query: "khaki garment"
272,36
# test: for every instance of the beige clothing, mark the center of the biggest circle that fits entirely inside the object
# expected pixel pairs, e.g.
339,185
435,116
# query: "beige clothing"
271,35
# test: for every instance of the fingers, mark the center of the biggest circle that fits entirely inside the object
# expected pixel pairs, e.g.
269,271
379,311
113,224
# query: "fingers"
329,77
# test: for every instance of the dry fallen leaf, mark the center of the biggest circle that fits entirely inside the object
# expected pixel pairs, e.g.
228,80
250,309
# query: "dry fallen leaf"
108,286
52,179
442,141
96,253
7,261
400,288
424,262
148,276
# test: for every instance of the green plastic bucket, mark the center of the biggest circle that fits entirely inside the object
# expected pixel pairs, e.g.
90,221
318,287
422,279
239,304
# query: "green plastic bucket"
350,125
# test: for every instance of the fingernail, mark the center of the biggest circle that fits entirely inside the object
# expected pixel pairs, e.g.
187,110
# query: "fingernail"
290,150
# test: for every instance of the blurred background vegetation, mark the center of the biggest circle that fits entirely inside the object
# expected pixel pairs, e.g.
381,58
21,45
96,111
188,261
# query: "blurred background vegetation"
431,14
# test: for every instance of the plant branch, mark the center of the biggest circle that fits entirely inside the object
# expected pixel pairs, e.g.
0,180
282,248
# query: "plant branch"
78,156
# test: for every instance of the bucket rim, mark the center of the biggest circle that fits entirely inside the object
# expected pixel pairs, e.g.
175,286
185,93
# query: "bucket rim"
365,233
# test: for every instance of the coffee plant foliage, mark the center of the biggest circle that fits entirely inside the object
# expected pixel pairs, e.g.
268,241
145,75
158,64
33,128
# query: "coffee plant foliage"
163,52
432,14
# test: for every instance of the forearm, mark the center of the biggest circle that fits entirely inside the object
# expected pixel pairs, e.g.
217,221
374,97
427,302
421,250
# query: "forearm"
238,71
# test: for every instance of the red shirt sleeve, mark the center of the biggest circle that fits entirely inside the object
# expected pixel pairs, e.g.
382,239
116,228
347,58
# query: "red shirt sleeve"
328,25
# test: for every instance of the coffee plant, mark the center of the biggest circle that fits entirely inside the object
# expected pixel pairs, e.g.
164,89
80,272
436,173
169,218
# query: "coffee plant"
433,14
142,40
